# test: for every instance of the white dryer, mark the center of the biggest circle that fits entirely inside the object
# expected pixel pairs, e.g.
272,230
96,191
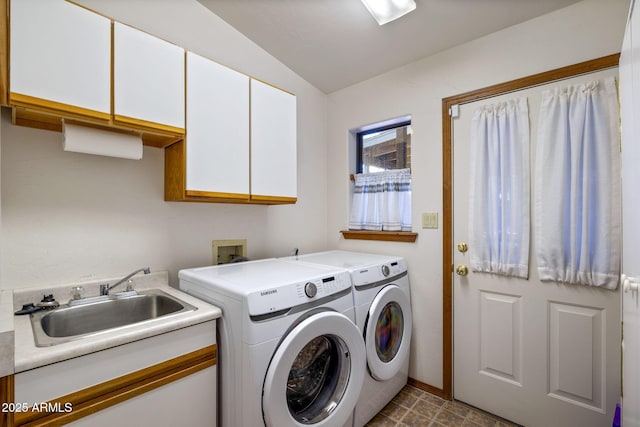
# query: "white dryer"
382,302
289,351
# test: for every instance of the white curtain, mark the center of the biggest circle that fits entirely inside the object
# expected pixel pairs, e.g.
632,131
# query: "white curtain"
577,202
499,189
382,201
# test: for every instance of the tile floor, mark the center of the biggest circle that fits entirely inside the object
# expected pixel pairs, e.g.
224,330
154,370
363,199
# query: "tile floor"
414,407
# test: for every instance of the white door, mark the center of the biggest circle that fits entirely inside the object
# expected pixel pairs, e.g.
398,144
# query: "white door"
536,353
316,374
630,108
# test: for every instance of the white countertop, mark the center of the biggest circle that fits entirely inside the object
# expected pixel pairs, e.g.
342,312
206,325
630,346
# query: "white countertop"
29,356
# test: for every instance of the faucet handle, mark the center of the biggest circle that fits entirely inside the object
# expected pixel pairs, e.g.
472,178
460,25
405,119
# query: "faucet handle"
77,292
104,289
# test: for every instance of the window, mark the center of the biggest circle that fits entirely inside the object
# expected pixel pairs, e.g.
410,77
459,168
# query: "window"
381,204
384,148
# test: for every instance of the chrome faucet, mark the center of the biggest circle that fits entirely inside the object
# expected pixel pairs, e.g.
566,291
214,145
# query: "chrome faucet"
104,289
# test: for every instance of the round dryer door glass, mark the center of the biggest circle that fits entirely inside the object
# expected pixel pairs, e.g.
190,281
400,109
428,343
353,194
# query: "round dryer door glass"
316,373
318,379
389,331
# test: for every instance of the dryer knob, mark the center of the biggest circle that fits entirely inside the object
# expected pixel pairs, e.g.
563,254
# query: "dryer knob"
310,289
385,270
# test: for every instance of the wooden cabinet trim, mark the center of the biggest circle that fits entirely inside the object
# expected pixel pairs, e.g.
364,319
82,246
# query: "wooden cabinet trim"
274,200
175,167
52,107
216,195
53,122
387,236
146,125
101,396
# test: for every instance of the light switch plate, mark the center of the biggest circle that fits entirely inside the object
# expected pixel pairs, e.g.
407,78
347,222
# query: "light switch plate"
430,220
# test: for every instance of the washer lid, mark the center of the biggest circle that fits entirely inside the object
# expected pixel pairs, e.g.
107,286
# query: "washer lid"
365,268
388,332
346,259
241,279
316,373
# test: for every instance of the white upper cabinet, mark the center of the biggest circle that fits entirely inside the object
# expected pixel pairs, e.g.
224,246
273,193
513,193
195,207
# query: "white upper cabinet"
149,80
273,144
240,143
60,58
217,143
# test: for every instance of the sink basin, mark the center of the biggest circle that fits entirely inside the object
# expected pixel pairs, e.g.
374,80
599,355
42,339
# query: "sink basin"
104,314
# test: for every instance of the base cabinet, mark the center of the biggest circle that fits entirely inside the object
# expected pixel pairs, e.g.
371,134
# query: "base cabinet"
175,404
167,379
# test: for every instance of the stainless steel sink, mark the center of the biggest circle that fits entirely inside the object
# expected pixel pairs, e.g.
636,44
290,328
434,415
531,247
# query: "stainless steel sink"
102,314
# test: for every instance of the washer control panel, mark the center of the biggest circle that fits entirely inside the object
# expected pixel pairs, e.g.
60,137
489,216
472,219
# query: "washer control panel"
290,295
379,272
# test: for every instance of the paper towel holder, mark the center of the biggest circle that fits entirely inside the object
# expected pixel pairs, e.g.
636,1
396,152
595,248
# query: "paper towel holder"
84,138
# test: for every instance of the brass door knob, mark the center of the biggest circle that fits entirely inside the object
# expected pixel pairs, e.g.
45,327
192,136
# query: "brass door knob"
462,270
463,247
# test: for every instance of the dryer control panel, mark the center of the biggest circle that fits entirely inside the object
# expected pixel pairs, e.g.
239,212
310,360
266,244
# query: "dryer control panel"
379,272
287,296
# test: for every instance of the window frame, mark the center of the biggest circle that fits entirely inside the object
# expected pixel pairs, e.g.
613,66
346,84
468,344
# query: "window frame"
388,236
360,139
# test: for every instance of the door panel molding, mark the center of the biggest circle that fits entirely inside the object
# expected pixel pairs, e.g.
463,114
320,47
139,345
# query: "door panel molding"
501,337
586,67
577,355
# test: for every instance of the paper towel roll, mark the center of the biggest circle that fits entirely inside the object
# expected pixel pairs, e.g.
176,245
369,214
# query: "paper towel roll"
81,139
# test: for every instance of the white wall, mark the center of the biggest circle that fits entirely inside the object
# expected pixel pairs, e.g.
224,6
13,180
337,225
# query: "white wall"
69,217
583,31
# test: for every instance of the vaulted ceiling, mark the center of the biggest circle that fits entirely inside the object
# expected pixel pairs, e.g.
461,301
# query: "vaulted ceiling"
336,43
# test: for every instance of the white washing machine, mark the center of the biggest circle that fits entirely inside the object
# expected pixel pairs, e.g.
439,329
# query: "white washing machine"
382,302
289,352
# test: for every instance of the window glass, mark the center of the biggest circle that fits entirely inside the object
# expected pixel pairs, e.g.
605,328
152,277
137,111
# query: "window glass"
385,148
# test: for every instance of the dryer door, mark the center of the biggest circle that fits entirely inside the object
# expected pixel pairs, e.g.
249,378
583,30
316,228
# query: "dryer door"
316,373
388,332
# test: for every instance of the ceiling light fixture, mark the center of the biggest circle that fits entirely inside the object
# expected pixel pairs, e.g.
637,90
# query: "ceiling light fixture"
387,10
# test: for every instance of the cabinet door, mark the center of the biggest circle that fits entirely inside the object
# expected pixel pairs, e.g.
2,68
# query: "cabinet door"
191,401
148,81
60,58
217,144
273,144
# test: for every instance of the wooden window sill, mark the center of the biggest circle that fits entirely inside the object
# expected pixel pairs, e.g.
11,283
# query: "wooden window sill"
387,236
